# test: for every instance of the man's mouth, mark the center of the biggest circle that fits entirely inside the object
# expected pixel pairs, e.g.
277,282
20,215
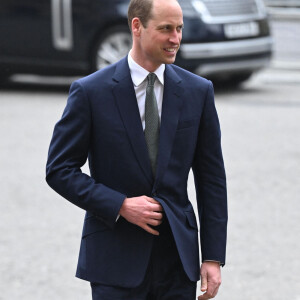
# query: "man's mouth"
171,50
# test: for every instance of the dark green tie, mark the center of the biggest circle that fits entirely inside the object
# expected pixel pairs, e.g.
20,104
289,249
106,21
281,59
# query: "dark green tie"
152,122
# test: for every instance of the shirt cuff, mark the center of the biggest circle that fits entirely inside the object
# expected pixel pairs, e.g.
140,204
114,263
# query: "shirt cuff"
221,264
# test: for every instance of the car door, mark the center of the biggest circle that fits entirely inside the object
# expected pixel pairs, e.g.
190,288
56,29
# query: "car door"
34,29
25,29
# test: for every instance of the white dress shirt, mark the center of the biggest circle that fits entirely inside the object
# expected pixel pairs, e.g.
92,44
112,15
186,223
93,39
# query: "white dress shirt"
139,78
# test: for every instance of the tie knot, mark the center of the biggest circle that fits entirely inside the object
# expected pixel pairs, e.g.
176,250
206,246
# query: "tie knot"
151,78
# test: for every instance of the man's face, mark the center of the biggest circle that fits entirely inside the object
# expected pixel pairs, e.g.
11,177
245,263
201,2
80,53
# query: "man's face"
160,40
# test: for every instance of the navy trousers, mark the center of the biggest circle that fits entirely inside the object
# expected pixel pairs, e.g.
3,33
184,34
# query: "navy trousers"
165,277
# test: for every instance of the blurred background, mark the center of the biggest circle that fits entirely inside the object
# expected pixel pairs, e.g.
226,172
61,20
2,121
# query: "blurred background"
251,52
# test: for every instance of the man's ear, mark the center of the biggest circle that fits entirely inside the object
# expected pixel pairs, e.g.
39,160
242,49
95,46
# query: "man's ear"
136,26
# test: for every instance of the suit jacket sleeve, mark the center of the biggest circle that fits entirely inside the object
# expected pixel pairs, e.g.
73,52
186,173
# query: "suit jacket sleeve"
210,182
68,152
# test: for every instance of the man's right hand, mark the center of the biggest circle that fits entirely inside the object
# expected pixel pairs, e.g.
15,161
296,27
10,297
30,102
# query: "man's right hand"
142,211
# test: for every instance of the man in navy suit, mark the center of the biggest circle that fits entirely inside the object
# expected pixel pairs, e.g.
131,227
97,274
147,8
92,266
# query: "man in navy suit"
140,235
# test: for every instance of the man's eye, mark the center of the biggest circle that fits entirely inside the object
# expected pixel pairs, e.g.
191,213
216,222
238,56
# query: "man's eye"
167,27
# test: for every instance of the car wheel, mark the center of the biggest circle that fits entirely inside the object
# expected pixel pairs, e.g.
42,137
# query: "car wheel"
111,47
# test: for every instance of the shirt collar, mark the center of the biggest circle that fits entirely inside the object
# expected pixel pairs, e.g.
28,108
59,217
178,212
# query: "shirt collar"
138,73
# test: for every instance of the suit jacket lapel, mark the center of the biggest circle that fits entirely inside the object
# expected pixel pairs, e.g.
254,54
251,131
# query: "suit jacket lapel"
171,109
126,101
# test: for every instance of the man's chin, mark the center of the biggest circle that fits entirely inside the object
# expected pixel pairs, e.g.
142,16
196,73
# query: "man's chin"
170,60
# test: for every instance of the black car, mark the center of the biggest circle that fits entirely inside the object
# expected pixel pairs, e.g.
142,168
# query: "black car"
224,39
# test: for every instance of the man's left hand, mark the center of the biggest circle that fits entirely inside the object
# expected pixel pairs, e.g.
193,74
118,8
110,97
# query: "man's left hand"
210,279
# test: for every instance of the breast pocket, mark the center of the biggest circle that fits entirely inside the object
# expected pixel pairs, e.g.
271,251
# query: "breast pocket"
185,124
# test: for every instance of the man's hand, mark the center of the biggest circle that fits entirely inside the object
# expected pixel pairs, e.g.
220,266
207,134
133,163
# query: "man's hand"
210,279
142,211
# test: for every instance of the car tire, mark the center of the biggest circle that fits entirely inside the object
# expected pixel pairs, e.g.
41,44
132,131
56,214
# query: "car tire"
113,45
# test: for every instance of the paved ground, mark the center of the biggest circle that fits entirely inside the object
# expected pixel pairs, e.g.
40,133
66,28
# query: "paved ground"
40,232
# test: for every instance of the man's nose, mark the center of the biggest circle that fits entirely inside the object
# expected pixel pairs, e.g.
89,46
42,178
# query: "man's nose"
175,37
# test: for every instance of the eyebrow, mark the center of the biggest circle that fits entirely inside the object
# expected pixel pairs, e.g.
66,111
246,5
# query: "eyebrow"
170,25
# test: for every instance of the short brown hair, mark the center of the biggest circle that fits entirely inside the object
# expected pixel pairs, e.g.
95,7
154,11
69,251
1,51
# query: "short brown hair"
141,9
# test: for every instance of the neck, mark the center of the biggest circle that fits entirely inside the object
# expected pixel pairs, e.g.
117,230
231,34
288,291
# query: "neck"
149,66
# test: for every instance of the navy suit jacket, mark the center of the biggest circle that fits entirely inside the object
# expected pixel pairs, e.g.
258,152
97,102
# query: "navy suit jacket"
101,122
